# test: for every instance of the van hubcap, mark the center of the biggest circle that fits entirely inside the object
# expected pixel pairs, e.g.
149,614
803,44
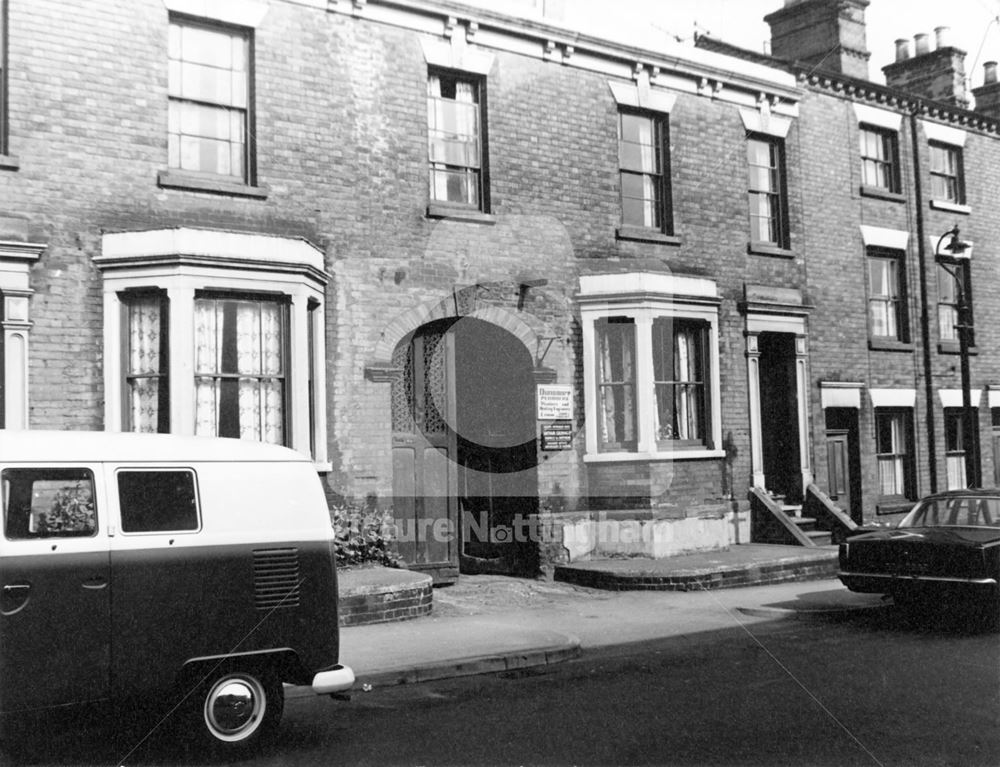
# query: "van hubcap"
234,707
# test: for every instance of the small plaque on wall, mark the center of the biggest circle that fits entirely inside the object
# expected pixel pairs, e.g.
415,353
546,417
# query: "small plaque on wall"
555,402
557,435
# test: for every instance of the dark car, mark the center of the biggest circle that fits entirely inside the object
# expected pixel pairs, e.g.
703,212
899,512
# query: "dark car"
947,547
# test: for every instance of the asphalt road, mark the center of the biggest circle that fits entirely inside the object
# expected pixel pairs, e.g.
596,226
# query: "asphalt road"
874,687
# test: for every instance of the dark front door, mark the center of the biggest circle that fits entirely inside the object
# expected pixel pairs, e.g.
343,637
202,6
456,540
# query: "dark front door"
497,452
843,460
779,410
424,449
55,634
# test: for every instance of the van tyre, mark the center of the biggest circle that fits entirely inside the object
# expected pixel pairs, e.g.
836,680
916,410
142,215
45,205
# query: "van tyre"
239,709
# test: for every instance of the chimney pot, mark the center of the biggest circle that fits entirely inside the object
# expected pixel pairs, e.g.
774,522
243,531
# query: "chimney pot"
942,37
989,72
902,49
921,44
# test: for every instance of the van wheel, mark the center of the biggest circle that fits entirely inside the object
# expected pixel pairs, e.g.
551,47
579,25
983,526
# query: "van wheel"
238,709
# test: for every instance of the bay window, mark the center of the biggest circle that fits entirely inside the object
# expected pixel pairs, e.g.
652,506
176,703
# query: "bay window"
651,356
225,343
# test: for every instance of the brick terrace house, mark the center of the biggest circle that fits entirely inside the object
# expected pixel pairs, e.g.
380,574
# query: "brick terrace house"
486,269
887,173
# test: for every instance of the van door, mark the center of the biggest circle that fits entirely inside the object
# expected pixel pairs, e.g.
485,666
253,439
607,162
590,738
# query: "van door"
54,588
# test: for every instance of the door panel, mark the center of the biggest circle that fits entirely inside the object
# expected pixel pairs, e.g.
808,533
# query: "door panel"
424,451
54,589
838,469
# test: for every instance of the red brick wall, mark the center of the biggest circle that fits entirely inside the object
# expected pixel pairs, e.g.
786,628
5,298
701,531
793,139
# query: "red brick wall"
341,145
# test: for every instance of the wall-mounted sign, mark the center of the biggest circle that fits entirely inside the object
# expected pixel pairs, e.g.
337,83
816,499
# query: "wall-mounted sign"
557,435
555,402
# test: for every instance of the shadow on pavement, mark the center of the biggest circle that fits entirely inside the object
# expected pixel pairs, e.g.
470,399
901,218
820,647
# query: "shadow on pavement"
956,618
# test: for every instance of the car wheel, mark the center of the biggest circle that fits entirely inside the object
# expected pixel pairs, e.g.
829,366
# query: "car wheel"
237,709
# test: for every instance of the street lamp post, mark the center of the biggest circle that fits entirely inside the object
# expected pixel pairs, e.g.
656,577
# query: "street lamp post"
970,425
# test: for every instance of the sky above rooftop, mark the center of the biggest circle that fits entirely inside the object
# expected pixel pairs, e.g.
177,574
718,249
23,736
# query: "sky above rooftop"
973,24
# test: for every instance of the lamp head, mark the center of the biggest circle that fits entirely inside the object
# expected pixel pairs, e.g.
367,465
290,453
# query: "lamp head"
956,246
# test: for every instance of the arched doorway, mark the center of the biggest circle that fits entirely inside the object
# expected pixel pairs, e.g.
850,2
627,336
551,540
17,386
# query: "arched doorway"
464,450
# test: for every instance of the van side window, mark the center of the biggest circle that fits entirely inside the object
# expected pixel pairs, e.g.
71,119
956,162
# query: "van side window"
48,503
157,501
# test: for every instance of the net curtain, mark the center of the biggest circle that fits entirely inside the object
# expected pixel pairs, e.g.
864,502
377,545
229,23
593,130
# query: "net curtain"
239,341
144,363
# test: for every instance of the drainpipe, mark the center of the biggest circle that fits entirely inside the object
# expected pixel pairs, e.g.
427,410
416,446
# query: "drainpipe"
925,322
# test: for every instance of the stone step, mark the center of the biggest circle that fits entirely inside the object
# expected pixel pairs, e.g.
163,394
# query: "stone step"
820,537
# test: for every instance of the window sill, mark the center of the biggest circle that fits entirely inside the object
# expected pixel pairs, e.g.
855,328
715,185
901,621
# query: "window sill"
881,194
642,234
952,347
215,184
952,207
889,345
9,162
675,455
457,212
768,249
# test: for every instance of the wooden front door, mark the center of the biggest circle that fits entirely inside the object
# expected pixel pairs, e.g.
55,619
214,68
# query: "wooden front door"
779,410
838,468
497,451
424,453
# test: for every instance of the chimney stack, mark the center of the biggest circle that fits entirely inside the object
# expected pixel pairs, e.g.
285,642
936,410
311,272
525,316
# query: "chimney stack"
937,74
988,94
902,49
826,34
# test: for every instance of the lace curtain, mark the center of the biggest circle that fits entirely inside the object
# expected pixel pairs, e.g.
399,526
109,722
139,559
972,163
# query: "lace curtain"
144,363
616,351
238,368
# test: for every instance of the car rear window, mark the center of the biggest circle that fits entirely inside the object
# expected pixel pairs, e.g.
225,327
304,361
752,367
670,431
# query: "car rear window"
158,501
955,511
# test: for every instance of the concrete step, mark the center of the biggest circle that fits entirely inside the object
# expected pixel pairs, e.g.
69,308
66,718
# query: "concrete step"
819,537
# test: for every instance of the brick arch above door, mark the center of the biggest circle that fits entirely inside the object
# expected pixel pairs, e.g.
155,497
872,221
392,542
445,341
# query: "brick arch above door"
462,303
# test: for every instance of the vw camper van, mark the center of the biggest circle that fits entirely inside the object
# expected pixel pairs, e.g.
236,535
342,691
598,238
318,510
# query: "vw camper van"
197,572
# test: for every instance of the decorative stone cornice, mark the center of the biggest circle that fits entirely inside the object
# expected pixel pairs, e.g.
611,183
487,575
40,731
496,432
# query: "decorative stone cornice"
693,70
881,95
21,251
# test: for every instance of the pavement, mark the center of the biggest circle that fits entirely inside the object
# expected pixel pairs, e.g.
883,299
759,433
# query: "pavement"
486,624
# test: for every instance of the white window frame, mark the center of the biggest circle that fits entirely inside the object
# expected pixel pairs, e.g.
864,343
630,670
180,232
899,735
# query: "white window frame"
948,136
183,261
16,260
645,296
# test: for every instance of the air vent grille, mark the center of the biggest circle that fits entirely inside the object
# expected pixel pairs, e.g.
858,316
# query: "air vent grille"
276,578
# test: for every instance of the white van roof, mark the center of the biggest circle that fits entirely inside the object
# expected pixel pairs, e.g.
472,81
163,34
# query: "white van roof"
31,446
